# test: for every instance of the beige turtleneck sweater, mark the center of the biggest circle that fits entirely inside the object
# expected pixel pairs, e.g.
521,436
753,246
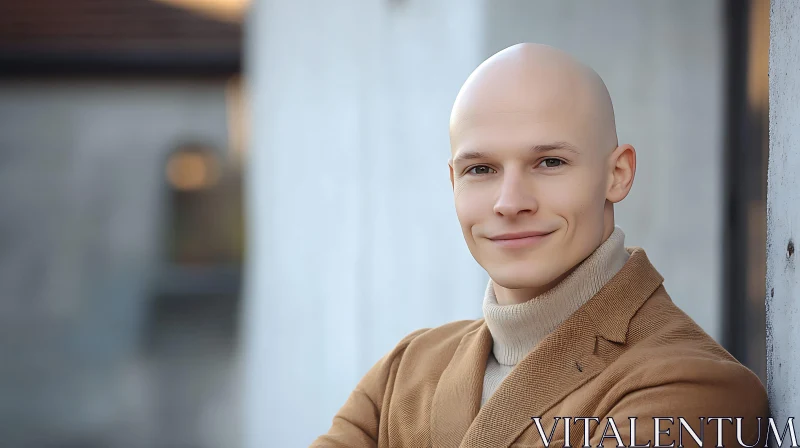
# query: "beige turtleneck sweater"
517,329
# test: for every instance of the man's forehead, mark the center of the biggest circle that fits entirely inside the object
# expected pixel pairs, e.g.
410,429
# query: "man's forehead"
531,115
529,118
519,129
523,104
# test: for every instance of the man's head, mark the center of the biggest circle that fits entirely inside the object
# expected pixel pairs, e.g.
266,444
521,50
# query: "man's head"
534,149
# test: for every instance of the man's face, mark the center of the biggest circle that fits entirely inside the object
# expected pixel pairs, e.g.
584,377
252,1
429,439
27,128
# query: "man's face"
528,173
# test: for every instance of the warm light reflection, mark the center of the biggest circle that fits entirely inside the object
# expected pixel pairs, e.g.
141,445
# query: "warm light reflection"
758,56
230,10
191,170
238,114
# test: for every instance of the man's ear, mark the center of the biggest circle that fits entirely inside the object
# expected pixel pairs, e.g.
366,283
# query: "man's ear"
623,169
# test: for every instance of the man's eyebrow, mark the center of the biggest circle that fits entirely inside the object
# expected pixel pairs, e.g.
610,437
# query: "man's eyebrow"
542,148
468,155
554,147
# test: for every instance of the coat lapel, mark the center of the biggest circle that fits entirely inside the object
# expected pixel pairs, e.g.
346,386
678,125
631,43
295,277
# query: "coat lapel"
458,394
561,363
558,365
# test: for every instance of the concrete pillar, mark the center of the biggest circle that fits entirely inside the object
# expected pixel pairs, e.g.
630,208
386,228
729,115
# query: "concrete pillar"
783,211
354,240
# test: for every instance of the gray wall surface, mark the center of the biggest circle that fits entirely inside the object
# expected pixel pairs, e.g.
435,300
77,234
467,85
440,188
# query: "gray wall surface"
783,212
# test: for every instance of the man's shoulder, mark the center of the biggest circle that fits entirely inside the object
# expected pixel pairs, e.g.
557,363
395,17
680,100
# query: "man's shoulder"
665,344
660,325
437,343
440,337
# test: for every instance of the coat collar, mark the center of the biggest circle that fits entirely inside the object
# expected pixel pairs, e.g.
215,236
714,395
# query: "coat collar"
561,363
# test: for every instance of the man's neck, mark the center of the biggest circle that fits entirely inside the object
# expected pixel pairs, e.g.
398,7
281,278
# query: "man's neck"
507,296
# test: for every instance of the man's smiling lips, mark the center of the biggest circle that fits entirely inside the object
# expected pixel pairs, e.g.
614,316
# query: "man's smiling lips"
519,239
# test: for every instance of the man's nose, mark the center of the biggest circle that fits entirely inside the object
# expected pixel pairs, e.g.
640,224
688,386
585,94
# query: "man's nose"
515,197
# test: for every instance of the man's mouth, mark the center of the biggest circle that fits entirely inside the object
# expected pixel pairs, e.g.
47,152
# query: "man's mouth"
519,239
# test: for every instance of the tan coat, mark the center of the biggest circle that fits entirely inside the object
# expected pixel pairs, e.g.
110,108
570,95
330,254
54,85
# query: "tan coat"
628,352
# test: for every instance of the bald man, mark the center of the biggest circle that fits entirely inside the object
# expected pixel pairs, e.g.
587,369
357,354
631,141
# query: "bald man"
580,343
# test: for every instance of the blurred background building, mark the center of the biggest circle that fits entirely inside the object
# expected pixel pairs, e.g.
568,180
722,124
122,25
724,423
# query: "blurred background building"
121,226
128,315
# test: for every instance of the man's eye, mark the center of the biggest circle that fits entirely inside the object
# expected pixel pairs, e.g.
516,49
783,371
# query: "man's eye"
552,163
480,169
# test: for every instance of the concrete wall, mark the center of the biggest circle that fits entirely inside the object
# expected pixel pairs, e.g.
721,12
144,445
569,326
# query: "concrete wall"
354,239
783,211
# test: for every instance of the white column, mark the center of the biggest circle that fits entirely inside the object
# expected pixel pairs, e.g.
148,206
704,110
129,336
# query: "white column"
354,240
783,211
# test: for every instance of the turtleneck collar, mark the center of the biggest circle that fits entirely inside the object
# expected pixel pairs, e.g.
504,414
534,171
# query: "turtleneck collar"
517,329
